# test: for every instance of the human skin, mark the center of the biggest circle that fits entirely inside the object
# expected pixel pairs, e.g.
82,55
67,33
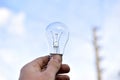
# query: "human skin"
45,68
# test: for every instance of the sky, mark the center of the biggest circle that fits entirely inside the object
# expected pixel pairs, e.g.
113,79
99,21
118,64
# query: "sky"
22,35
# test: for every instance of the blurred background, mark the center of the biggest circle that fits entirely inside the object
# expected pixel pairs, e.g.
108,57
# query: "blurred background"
93,49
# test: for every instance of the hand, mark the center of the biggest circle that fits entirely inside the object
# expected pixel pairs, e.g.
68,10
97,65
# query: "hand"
45,68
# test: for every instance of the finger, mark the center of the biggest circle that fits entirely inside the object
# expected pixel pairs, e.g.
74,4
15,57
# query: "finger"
62,77
64,69
40,62
54,64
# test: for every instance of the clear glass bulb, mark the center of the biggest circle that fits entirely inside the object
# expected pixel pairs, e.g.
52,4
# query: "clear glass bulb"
58,36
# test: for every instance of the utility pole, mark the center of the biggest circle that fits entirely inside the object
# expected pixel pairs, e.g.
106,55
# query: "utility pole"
96,54
119,75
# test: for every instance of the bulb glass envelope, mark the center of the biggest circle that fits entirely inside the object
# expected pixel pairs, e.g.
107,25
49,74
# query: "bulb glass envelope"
58,35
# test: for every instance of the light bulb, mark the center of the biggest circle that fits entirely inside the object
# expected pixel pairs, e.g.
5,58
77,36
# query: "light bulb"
58,35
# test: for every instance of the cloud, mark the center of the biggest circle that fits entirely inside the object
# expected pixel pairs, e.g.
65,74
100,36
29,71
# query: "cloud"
8,56
111,23
2,77
4,16
111,28
16,25
111,38
11,25
14,22
79,55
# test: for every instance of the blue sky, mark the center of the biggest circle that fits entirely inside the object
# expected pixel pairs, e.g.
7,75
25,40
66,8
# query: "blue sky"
22,35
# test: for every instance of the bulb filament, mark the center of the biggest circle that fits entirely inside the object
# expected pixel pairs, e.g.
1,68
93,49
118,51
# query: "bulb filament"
56,39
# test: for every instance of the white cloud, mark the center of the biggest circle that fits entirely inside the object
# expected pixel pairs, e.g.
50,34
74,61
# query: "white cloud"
13,21
111,43
4,16
16,25
80,57
13,24
2,77
112,23
8,56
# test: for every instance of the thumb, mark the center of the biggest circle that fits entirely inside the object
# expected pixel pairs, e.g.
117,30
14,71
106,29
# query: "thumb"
54,64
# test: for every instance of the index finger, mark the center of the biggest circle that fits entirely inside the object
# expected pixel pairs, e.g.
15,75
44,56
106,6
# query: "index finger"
40,62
